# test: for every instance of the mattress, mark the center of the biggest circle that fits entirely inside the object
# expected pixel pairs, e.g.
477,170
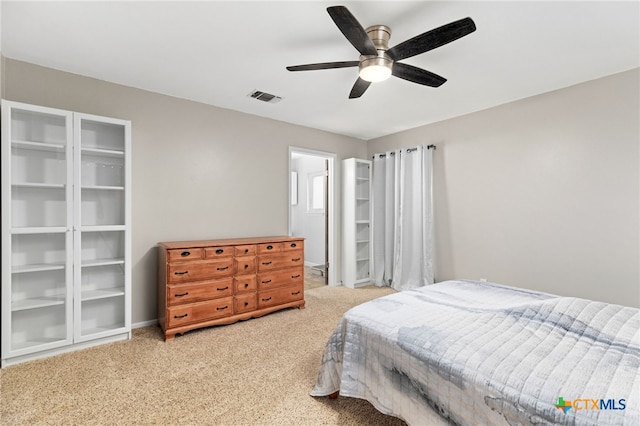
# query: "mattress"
483,353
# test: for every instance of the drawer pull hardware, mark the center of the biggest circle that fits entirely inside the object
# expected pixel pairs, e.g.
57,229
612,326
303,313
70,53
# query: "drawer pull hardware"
266,263
180,272
269,247
180,316
295,276
185,253
246,266
295,293
296,259
181,294
221,308
246,251
266,300
246,303
246,285
293,245
223,288
266,282
219,251
223,269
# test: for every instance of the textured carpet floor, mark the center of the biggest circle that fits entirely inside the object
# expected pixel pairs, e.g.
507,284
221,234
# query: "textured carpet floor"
256,372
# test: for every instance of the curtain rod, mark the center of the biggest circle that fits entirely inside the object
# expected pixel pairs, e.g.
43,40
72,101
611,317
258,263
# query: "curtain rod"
408,150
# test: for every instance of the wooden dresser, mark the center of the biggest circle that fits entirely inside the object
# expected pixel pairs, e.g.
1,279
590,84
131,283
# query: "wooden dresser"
215,282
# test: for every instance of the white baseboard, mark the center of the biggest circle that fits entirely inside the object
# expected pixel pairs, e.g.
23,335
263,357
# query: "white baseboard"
144,323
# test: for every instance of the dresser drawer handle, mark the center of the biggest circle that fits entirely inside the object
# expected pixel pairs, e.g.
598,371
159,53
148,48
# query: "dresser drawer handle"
269,247
266,263
295,276
181,272
180,316
219,308
296,259
246,251
219,251
246,303
246,285
181,294
223,288
246,266
266,282
295,293
266,300
293,245
223,269
185,253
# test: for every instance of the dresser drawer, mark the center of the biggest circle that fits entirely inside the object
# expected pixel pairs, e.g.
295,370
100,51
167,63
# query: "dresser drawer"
247,250
217,252
199,270
289,276
185,254
245,265
245,283
270,248
280,296
293,245
282,260
245,302
201,311
189,293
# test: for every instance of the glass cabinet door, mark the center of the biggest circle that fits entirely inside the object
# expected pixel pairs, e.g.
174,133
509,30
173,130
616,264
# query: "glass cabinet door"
37,244
102,236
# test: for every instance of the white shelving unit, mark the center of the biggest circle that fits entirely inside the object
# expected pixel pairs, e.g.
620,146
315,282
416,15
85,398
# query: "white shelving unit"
357,262
66,236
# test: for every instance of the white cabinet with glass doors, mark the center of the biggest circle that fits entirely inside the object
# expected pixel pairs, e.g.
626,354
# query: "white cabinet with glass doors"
66,237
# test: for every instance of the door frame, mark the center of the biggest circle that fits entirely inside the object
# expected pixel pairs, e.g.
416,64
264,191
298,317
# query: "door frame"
330,231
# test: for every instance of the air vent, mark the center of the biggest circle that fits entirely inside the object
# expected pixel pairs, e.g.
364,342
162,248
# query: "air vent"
265,97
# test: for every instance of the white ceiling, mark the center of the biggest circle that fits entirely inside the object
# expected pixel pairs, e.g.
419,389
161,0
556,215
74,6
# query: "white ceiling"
216,52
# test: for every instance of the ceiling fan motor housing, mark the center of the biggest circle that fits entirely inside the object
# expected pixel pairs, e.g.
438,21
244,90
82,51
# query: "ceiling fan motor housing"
379,35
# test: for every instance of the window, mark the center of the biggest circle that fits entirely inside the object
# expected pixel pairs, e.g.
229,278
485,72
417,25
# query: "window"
315,193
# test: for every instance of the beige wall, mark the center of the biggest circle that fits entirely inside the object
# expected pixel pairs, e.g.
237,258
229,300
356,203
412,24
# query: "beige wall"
198,171
541,193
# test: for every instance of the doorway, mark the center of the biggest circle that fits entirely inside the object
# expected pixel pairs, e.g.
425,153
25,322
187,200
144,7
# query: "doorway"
312,210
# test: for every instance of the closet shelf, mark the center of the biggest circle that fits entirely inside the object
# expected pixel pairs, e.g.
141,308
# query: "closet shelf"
38,146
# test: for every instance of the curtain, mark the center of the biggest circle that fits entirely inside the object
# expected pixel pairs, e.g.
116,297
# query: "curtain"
402,222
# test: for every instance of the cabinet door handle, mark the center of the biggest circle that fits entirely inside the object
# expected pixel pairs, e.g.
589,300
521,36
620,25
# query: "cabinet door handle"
223,288
181,294
293,245
222,308
219,251
180,272
266,300
296,259
180,316
223,269
266,282
295,293
185,253
295,276
266,263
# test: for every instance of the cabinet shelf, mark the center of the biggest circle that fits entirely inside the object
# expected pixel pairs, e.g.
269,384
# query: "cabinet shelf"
103,188
39,230
103,152
39,185
40,302
41,267
38,146
102,262
102,294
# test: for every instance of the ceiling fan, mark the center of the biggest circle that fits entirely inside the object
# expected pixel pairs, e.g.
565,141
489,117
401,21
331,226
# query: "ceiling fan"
377,61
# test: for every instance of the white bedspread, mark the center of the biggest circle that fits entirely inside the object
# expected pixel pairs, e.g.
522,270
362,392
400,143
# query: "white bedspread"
482,353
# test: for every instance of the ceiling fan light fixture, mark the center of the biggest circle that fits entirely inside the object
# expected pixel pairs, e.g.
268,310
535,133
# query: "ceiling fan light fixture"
375,69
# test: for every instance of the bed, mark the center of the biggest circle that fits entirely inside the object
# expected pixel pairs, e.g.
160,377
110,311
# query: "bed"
483,353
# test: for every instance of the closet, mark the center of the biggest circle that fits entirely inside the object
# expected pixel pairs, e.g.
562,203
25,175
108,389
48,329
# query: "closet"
66,240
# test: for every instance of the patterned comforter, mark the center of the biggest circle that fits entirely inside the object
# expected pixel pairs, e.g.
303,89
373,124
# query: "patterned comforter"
483,353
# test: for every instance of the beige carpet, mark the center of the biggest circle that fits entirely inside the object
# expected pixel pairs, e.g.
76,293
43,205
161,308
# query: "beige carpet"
256,372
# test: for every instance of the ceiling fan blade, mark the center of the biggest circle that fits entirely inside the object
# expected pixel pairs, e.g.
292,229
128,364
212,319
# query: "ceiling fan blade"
432,39
352,30
417,75
323,66
359,88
